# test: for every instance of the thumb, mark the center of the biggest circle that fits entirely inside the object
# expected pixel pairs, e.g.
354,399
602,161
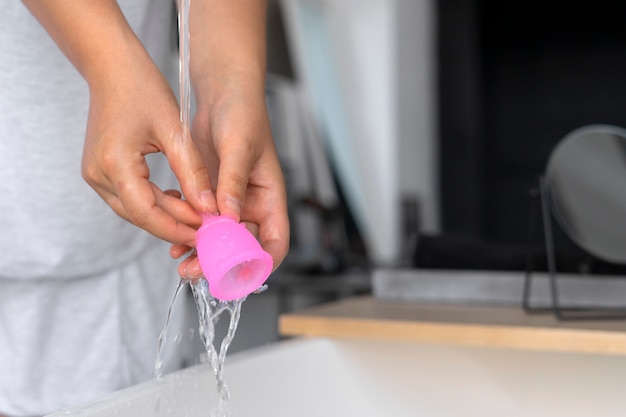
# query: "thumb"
234,173
186,163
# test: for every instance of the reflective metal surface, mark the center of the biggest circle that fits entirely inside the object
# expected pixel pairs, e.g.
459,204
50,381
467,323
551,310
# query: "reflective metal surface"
586,186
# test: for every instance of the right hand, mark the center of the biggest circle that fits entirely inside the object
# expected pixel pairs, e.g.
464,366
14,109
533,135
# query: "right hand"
131,115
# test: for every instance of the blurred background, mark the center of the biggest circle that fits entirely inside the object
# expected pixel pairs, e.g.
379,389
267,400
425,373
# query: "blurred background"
412,134
352,94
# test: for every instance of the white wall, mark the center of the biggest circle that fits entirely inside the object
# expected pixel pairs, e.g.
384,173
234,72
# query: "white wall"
367,70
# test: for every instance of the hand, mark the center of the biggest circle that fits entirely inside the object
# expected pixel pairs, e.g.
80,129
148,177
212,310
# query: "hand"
132,115
233,135
132,112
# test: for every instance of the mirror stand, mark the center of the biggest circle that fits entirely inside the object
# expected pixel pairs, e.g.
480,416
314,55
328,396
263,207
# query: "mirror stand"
539,199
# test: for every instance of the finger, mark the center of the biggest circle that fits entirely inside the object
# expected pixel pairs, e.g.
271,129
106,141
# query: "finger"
193,269
234,174
182,268
274,237
278,250
112,201
176,251
190,268
187,165
173,193
137,197
179,209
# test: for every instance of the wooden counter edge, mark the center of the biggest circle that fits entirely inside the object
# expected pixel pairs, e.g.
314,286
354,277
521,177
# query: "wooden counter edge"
497,336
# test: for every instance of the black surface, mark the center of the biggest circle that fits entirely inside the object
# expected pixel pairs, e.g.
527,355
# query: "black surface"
514,79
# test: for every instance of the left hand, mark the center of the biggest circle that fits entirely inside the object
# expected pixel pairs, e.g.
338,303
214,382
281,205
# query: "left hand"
233,135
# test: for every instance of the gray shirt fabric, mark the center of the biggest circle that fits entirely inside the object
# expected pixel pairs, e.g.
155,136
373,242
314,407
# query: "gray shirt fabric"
52,223
82,292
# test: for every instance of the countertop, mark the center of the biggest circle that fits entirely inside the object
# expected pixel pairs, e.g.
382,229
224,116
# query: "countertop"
505,327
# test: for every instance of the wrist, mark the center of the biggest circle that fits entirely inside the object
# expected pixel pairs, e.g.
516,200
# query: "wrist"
119,66
227,47
217,90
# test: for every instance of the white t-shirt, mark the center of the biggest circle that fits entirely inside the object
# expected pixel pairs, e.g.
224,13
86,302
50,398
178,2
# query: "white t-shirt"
52,224
83,293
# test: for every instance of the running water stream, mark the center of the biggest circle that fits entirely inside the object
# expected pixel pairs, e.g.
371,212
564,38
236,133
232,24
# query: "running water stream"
210,311
209,308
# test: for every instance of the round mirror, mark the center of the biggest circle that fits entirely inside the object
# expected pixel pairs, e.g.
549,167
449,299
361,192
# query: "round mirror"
585,185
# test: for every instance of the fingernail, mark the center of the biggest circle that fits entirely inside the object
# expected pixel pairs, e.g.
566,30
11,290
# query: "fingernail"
207,199
233,204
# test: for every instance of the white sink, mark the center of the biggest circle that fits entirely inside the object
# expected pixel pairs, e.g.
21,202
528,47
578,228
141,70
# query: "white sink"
333,377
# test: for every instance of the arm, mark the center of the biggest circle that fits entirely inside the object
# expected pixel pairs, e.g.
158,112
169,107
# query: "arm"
231,126
132,112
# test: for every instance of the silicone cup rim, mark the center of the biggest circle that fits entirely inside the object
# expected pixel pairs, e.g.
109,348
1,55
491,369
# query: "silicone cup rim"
235,259
212,220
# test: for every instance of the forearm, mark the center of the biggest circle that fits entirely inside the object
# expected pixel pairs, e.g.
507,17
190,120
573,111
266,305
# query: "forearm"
132,112
227,43
94,35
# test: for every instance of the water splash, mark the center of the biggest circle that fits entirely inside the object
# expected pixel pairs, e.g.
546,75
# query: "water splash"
158,364
209,312
209,308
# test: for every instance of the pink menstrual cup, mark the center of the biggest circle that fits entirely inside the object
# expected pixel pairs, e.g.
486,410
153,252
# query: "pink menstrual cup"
231,258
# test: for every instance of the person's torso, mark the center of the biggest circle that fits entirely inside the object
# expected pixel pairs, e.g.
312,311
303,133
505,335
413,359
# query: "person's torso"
52,224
